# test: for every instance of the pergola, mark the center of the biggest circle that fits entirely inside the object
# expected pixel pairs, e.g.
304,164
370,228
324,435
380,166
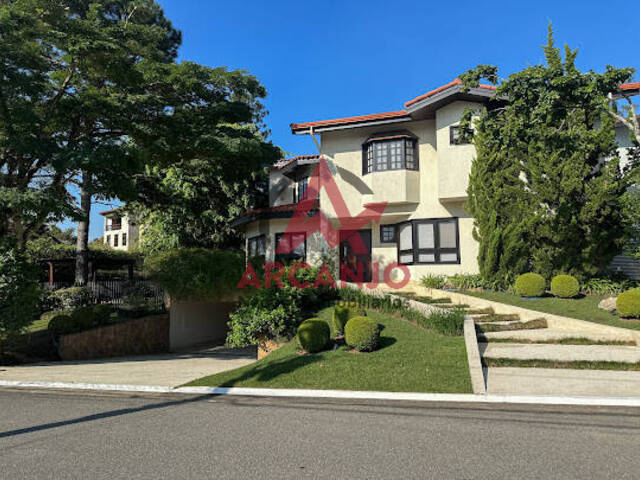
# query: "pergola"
94,265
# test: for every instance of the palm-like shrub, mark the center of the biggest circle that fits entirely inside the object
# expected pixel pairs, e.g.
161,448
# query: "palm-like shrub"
362,334
565,286
628,303
530,285
313,335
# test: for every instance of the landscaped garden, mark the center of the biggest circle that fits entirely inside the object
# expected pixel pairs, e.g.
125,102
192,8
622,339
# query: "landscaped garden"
409,358
563,296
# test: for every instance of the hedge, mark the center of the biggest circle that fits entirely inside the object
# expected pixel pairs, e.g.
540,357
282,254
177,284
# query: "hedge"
362,334
565,286
628,304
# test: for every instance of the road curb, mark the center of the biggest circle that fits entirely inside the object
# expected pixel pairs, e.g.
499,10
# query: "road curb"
336,394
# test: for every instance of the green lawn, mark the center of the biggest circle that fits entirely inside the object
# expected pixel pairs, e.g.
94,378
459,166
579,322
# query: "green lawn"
585,308
411,359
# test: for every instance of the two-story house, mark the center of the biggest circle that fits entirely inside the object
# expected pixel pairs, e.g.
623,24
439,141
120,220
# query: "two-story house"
121,231
413,159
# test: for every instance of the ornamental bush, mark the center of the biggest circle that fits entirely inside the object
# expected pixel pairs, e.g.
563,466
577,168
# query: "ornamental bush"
19,293
313,335
73,297
628,304
530,285
60,325
449,322
83,318
196,273
339,318
101,313
362,334
565,286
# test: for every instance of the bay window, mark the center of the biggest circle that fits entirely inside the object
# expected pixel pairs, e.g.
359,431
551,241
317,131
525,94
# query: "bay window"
426,241
396,151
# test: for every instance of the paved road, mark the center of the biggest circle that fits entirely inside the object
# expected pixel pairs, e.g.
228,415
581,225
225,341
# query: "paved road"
71,435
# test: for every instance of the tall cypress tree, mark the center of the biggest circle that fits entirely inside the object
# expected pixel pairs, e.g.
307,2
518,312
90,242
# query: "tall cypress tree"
542,196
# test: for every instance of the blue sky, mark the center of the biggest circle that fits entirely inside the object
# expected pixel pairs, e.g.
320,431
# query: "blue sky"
341,58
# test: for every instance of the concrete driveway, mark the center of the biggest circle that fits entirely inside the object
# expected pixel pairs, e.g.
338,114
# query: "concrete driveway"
169,370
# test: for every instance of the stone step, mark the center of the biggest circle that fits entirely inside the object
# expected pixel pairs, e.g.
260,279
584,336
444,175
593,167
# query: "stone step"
480,311
450,305
550,334
505,322
561,353
538,323
496,317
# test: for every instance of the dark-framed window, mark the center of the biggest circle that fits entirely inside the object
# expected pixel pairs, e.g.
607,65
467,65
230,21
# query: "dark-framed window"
454,136
387,234
286,240
301,189
115,240
124,239
389,152
429,241
257,246
108,239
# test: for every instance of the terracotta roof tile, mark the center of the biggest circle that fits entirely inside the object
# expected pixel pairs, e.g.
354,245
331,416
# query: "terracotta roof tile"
347,120
455,82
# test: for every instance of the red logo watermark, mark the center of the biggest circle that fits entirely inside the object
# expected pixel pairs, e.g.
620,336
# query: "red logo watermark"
355,264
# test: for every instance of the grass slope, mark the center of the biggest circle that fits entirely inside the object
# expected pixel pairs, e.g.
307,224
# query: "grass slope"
585,308
410,359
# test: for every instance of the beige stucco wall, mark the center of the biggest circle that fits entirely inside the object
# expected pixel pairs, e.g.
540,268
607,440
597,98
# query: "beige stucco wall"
454,161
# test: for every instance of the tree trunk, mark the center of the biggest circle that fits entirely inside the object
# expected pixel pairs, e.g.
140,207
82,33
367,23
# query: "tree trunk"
82,244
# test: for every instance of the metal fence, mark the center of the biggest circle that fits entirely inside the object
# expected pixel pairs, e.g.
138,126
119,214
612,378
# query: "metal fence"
120,292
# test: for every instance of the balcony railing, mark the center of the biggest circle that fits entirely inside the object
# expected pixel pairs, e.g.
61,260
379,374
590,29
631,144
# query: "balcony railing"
114,226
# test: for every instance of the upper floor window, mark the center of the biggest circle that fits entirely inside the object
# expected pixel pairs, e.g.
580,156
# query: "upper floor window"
393,151
454,136
301,189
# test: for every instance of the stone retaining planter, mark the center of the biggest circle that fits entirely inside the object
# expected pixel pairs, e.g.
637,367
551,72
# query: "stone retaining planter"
142,336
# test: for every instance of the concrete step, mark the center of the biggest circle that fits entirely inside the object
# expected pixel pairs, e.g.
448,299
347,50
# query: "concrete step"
480,311
536,324
561,353
550,334
450,305
559,381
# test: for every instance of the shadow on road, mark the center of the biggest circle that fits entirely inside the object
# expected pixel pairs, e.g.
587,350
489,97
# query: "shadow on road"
99,416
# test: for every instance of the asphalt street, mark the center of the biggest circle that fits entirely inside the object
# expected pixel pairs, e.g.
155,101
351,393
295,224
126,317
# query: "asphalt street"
81,435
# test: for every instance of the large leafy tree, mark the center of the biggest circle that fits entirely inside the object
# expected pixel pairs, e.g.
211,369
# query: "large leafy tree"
93,102
541,193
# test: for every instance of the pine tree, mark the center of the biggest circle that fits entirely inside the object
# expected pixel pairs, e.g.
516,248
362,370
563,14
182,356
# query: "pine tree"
542,197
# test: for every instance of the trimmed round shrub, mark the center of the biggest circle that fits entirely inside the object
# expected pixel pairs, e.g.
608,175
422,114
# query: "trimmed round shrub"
530,285
362,334
61,325
101,313
628,304
313,335
83,318
565,286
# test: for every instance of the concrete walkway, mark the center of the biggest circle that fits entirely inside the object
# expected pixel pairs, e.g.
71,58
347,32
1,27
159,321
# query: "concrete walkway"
561,353
169,370
558,381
